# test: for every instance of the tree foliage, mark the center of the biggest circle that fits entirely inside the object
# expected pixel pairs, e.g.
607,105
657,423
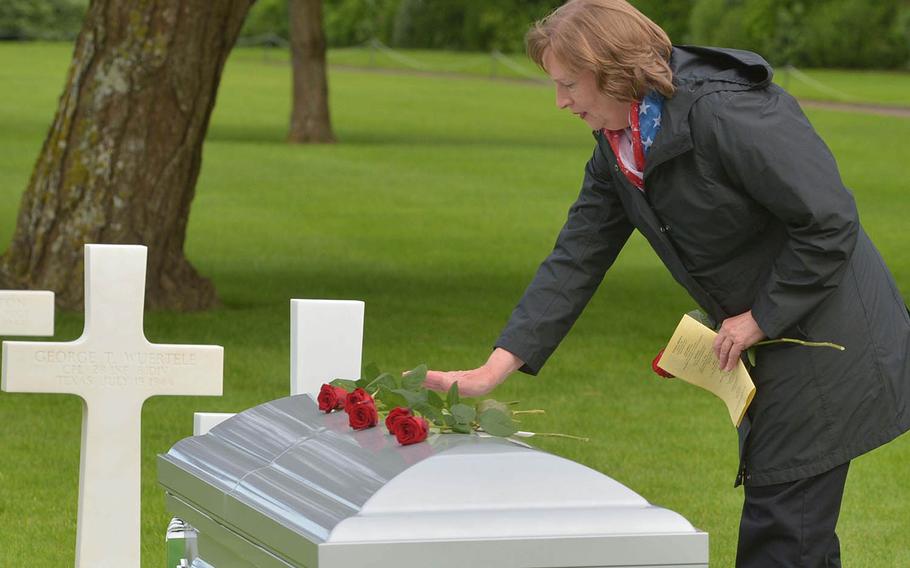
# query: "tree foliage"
671,15
355,22
466,24
828,33
431,24
812,33
41,19
267,18
858,34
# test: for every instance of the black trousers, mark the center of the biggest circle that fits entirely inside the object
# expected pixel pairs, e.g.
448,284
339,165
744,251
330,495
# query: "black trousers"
791,525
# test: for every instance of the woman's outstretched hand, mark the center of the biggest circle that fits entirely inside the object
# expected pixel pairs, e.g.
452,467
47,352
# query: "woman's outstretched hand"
479,381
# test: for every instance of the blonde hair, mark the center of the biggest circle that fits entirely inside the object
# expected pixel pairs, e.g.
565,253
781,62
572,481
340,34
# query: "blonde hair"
628,53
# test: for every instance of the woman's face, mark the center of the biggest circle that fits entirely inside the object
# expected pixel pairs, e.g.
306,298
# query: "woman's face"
579,94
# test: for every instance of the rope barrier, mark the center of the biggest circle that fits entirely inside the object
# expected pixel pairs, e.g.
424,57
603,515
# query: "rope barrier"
508,62
797,74
264,40
498,58
399,57
377,47
418,65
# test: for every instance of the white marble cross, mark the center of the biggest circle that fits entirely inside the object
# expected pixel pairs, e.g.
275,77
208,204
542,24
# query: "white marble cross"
26,312
326,344
114,368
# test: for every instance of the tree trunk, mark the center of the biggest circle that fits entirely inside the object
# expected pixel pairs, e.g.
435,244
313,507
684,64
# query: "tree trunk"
310,103
121,160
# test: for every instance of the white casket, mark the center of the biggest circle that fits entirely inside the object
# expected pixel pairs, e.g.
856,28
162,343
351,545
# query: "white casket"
283,484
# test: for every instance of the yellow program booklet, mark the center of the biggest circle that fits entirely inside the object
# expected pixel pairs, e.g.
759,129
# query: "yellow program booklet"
690,357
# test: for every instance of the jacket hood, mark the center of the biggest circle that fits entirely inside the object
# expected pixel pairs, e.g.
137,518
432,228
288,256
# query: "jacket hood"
697,67
699,71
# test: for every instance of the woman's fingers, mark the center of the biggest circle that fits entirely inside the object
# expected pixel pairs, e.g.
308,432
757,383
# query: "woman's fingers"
733,357
718,341
736,334
439,380
470,383
726,349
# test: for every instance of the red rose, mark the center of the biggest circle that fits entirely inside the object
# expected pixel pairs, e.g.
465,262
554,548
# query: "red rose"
411,429
331,398
362,415
655,366
355,397
391,421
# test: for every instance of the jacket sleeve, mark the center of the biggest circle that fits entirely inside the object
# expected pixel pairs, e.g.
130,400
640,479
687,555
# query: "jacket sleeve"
769,148
590,240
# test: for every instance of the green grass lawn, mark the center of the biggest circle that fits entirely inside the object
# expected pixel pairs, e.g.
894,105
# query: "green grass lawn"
435,207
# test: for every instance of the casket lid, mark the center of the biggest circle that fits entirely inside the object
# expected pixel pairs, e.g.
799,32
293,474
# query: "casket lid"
285,467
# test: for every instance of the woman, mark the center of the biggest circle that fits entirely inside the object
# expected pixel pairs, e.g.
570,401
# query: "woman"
723,174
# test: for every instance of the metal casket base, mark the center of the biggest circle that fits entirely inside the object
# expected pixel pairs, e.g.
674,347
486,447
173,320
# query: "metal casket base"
285,485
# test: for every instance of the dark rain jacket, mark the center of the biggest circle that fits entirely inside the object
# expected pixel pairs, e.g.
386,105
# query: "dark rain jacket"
746,208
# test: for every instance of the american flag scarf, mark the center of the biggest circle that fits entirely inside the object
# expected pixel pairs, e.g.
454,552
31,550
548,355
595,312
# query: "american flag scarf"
631,145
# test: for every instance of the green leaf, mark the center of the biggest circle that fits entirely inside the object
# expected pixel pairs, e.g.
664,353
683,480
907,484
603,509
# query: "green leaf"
362,382
463,413
493,404
370,371
391,399
497,423
750,354
383,380
453,397
413,398
346,384
450,420
462,428
414,378
703,319
435,400
430,413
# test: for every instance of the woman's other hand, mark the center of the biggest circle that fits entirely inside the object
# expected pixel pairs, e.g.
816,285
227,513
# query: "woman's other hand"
735,335
479,381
